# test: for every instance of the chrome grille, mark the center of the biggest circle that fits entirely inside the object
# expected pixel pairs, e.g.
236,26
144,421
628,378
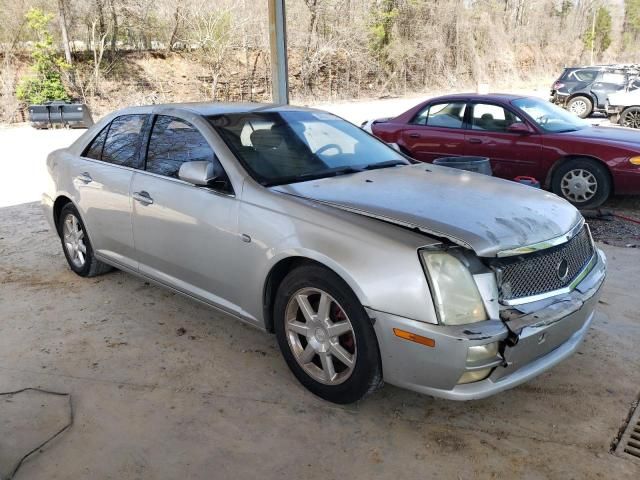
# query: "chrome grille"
541,272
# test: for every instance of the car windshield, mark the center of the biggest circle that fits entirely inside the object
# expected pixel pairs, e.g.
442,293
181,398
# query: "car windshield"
293,146
549,117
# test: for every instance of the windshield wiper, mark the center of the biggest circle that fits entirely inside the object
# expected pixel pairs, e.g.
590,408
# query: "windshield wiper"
304,177
387,164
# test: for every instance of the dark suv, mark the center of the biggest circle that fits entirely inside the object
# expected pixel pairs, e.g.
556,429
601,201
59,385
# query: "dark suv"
584,90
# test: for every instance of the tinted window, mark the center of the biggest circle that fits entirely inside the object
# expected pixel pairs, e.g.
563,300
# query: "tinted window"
448,115
583,75
123,139
173,142
94,150
492,118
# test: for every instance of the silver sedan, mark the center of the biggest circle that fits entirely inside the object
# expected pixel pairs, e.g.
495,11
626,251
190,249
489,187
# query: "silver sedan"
366,265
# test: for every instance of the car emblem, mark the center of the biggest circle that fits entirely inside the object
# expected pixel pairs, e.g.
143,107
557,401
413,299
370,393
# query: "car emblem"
562,270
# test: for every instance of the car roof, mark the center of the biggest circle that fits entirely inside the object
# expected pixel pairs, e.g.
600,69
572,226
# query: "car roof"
479,97
213,108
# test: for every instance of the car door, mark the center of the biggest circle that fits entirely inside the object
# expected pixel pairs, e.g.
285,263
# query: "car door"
511,153
185,235
437,131
102,177
607,83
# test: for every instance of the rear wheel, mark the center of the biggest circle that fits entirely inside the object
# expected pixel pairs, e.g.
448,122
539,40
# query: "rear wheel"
581,106
326,336
630,117
583,182
76,245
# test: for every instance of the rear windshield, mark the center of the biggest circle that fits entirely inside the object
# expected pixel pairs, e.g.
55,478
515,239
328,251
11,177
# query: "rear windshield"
579,75
292,146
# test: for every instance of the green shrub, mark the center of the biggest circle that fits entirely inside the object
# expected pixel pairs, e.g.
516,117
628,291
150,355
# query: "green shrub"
45,82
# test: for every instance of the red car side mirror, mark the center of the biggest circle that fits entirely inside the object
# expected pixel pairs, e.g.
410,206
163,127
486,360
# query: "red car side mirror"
519,127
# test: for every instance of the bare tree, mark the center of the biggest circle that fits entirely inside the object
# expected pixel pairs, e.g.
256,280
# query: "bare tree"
97,46
63,30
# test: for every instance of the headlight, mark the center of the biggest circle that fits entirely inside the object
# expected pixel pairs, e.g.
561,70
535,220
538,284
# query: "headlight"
634,160
455,294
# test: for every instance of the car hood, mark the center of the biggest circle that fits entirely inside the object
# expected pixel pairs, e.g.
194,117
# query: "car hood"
627,136
476,211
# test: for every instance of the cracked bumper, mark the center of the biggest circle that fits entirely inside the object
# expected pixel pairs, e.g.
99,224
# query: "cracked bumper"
553,333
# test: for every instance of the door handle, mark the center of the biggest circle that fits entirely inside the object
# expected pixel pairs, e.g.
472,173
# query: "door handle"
475,140
143,197
414,135
85,177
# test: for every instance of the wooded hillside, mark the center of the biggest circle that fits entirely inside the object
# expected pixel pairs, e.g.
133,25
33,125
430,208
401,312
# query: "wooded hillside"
115,52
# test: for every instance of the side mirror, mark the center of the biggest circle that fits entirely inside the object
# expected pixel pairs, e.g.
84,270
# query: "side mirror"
201,172
519,127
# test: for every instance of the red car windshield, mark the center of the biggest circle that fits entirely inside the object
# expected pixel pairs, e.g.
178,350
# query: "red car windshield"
549,117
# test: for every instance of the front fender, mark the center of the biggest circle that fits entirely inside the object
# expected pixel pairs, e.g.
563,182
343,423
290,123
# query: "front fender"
378,260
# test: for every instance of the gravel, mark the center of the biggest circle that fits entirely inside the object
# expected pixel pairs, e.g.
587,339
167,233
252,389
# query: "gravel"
608,225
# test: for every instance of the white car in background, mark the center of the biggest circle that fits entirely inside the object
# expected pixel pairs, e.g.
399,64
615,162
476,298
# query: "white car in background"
624,108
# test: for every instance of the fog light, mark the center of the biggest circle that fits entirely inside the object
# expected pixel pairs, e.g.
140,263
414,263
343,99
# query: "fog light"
474,376
479,353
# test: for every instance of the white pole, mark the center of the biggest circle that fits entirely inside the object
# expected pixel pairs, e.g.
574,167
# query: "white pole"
593,34
278,46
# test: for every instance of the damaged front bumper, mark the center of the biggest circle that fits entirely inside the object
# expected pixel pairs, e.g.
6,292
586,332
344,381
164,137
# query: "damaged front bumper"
559,98
613,112
530,338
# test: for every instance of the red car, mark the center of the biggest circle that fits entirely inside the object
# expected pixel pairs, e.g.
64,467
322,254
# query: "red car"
522,136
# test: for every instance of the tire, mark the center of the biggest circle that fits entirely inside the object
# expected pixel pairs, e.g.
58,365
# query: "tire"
76,246
305,339
630,117
581,106
584,182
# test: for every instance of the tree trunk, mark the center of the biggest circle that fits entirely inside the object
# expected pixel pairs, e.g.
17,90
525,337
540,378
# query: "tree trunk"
65,35
176,26
114,34
313,10
101,22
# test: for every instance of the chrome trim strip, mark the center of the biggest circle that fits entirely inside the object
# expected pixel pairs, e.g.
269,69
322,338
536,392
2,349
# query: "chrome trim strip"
568,289
535,247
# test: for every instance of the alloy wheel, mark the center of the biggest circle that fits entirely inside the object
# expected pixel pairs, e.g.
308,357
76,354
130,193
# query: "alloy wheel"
579,107
632,119
579,185
73,238
320,336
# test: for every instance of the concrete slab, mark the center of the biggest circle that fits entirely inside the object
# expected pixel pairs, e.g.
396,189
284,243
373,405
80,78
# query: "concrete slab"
219,401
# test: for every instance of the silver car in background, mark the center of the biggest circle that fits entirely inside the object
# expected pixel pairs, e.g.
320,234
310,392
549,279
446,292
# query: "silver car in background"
366,266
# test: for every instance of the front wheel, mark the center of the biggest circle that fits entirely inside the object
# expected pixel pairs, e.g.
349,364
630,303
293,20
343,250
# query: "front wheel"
630,117
583,182
325,335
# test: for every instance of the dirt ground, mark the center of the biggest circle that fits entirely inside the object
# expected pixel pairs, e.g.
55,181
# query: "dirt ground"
164,388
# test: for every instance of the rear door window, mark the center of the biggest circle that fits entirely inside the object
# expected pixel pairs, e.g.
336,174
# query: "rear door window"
447,115
175,141
123,141
614,78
